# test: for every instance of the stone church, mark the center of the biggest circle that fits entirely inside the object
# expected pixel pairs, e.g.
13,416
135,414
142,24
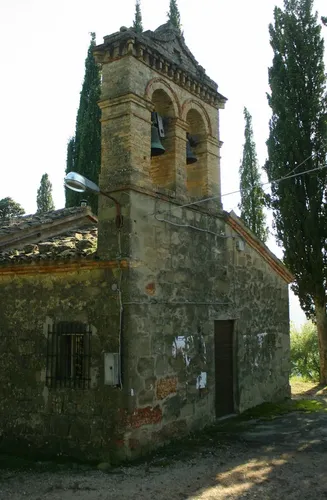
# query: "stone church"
121,332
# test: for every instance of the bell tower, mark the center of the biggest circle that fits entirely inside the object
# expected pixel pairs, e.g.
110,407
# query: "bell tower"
151,72
161,161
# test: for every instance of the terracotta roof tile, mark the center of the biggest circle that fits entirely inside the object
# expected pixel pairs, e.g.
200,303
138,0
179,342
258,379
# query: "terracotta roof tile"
27,221
74,242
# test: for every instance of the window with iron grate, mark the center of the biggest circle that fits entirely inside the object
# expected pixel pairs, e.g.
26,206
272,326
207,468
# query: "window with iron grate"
68,355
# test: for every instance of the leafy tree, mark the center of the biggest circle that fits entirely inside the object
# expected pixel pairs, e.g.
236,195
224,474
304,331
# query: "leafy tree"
324,20
10,209
137,23
252,194
174,15
305,352
44,199
297,142
84,149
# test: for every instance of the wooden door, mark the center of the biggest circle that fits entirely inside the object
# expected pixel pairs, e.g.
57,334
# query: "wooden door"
224,367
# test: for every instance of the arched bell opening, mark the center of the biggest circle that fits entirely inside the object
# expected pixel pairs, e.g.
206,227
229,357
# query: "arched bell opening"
162,169
196,154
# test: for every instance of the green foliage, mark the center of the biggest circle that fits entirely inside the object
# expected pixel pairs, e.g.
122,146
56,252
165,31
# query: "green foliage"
324,20
44,195
252,195
84,149
174,15
137,23
305,352
269,411
10,209
297,142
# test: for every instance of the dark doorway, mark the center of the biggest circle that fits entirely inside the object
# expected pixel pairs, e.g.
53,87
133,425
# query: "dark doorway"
224,367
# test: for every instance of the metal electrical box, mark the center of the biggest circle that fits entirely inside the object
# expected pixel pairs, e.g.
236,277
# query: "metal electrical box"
111,368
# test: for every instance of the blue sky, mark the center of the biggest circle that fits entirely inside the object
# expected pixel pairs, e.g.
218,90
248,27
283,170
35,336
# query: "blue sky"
43,46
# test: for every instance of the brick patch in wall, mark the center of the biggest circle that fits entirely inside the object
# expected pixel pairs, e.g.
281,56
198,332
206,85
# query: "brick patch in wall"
166,386
145,416
150,288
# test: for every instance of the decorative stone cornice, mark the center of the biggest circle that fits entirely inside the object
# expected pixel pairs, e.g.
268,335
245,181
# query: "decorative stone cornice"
165,51
125,99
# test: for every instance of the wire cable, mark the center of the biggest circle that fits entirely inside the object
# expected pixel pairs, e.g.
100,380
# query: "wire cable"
298,166
277,181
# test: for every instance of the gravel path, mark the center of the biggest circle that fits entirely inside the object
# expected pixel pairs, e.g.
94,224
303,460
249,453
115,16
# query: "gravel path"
284,458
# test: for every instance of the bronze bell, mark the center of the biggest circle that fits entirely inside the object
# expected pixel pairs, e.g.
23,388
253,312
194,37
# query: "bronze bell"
190,156
157,148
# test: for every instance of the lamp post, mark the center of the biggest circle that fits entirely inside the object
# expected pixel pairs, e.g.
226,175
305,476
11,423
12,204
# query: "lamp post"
79,183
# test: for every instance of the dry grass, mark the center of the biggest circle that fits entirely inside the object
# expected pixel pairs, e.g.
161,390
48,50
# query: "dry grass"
303,389
300,386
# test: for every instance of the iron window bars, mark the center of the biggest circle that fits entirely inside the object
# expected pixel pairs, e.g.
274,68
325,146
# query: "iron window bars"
68,355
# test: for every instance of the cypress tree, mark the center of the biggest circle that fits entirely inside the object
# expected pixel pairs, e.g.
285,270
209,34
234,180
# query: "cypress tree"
297,143
174,15
71,198
44,199
84,149
137,23
252,195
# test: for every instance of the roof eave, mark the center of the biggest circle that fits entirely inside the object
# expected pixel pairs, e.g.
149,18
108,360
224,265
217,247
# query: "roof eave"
44,230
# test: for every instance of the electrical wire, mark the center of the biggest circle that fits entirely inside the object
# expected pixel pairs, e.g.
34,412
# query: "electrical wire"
190,226
297,166
295,175
277,181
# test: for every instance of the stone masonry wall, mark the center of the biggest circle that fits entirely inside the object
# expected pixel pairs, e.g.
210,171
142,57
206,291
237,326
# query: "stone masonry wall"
179,281
261,305
182,281
53,421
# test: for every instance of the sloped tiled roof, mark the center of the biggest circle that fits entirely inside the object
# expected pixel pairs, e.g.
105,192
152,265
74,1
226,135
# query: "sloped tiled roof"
69,233
33,220
71,245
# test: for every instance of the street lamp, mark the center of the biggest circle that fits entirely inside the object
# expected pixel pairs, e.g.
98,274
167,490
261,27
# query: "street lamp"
79,183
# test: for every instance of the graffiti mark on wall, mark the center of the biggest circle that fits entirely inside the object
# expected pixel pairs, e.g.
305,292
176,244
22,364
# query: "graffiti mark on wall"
181,345
190,347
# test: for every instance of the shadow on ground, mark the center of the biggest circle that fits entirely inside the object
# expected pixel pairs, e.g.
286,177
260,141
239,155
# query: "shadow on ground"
281,456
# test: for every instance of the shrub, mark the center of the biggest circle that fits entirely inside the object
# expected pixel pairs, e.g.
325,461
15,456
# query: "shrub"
305,352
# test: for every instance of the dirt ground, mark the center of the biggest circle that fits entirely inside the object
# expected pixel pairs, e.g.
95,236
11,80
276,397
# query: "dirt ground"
280,458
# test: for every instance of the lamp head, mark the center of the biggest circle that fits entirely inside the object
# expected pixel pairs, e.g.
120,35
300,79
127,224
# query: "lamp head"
79,183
